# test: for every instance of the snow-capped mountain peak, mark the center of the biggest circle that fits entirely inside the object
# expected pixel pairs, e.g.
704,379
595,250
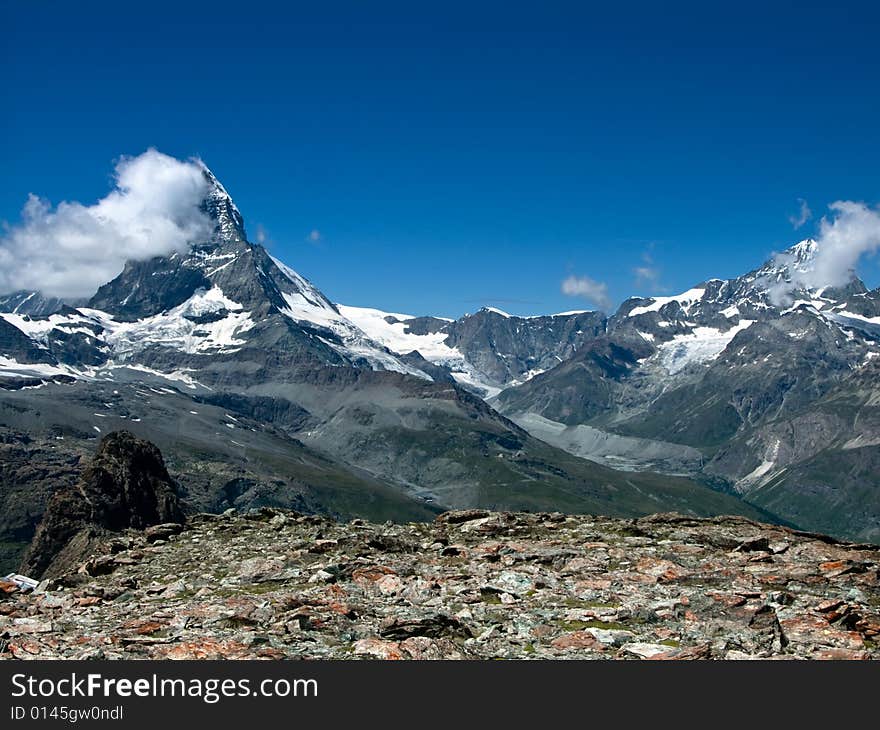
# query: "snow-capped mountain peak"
788,265
222,210
804,252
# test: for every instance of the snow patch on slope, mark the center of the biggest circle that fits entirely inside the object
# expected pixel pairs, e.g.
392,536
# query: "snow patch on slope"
395,337
700,346
685,300
38,329
431,346
308,305
869,325
10,368
759,474
172,328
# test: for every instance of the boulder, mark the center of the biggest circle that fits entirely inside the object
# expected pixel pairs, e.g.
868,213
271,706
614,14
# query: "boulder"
126,485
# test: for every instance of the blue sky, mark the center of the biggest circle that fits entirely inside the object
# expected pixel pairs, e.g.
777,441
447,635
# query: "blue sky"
462,154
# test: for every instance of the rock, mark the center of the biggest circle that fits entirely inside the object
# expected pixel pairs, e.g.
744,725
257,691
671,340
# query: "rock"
163,531
432,627
7,587
829,605
644,650
754,544
378,649
460,516
577,640
126,485
816,631
691,653
519,586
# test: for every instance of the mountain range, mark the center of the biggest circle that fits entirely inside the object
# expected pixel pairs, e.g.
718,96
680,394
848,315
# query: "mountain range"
261,391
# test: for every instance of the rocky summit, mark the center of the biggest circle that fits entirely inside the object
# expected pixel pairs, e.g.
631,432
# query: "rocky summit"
277,584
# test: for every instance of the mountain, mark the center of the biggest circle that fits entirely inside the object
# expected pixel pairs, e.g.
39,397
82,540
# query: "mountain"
33,304
261,391
717,369
820,464
487,351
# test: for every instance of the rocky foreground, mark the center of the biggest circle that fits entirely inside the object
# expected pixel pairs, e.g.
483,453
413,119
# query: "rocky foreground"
280,585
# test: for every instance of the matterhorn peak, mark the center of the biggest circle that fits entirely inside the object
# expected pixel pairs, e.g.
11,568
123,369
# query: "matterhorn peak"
218,204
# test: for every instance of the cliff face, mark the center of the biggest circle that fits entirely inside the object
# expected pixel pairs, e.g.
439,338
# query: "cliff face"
126,485
472,584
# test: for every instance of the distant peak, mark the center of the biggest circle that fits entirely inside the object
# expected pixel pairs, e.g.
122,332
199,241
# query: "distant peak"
218,204
803,252
790,263
493,310
574,313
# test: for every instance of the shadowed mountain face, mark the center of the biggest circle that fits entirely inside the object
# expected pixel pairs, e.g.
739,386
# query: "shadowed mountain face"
262,392
17,346
509,349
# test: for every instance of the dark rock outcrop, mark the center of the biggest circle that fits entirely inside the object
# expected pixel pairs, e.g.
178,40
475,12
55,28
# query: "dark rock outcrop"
126,485
17,345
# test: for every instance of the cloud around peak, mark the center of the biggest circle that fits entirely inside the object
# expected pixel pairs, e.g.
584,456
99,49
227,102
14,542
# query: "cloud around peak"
852,232
70,250
849,233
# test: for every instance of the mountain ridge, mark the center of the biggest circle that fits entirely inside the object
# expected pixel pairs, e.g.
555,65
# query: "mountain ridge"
261,391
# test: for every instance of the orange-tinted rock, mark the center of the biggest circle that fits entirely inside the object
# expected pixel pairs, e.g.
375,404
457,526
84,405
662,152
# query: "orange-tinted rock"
379,649
576,640
691,653
208,649
817,631
841,654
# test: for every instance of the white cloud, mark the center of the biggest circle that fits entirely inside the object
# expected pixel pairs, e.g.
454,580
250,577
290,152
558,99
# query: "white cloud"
589,289
646,276
803,215
71,250
852,231
261,236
